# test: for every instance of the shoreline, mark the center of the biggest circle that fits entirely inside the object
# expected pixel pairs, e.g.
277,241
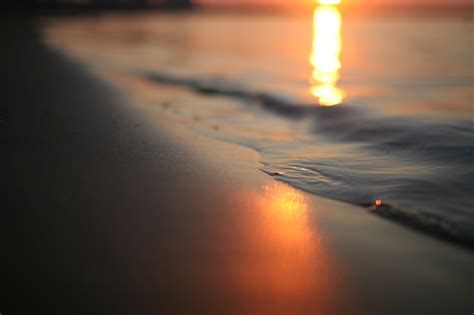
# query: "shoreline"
113,209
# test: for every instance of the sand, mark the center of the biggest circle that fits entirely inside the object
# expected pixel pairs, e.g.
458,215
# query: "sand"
112,209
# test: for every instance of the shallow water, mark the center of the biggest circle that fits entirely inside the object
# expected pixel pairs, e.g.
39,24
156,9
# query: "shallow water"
356,108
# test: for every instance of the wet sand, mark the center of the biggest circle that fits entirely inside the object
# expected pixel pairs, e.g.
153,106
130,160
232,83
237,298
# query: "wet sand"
112,209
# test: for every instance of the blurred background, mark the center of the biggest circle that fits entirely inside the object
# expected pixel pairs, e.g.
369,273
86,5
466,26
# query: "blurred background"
353,100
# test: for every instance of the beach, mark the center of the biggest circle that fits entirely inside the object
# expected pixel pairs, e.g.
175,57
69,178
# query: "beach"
113,207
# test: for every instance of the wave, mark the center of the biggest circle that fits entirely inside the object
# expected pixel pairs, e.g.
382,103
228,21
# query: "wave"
421,168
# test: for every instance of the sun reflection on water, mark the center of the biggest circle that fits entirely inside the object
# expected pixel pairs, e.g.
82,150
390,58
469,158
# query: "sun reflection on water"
325,56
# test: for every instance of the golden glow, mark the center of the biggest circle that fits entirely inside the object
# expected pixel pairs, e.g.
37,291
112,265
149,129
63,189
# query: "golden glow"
378,203
289,210
288,261
329,1
325,57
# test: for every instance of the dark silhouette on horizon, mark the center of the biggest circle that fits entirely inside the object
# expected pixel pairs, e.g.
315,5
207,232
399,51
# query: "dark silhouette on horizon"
102,4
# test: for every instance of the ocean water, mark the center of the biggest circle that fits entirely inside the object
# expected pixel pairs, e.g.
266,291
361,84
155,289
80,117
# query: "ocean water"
375,110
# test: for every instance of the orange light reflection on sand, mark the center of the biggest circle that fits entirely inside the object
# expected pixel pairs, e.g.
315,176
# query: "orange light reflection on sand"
290,267
325,56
